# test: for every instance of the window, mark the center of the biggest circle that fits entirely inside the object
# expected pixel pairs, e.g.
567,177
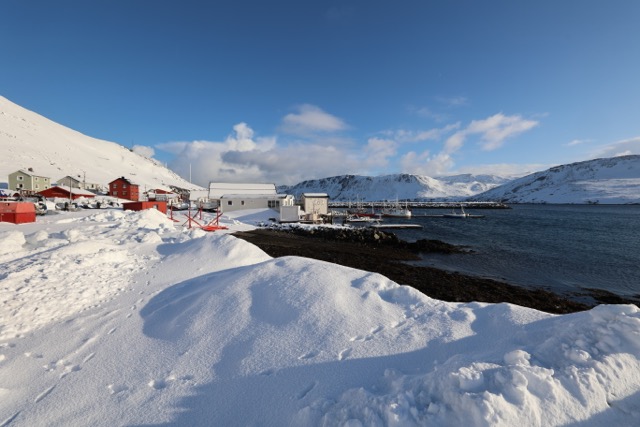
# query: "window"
37,187
230,203
36,179
124,185
242,203
115,193
20,178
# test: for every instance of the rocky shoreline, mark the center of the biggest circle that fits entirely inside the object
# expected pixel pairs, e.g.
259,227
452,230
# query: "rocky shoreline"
382,252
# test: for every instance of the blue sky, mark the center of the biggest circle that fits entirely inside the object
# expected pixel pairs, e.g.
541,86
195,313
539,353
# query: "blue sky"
283,91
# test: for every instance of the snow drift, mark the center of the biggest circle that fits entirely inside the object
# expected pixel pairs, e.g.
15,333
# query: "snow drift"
122,318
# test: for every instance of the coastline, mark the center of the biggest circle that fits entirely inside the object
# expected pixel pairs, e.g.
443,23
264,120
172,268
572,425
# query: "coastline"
384,253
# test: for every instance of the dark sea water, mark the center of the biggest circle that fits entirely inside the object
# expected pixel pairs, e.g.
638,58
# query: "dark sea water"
565,248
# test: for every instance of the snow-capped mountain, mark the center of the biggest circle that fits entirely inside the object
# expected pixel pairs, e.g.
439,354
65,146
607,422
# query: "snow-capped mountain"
613,180
400,186
29,140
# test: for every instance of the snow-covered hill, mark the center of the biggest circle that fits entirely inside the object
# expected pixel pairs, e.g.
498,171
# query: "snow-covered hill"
400,186
29,140
613,180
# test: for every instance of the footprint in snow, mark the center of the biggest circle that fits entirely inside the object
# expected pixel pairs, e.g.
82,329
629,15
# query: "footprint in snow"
69,369
309,355
44,394
376,330
345,353
398,324
307,390
117,388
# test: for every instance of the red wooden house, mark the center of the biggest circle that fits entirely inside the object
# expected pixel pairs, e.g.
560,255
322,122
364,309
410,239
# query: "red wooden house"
64,192
122,188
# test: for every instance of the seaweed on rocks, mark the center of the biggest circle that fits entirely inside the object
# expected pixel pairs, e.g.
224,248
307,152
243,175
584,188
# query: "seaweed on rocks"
388,256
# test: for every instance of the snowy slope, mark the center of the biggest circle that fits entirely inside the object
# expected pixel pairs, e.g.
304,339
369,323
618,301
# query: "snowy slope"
401,186
613,180
122,318
29,140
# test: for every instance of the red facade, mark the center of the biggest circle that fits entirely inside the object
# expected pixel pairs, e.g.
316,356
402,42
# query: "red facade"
138,206
122,188
17,212
64,193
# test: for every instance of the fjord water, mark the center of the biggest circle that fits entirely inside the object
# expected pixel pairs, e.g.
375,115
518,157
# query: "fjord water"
565,248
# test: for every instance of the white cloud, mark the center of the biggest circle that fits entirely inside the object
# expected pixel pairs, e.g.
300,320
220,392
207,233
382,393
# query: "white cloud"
498,128
243,157
378,151
493,131
426,164
454,101
204,159
143,150
427,113
620,148
402,135
578,142
310,119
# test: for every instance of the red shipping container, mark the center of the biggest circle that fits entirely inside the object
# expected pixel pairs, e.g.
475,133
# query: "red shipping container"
138,206
17,212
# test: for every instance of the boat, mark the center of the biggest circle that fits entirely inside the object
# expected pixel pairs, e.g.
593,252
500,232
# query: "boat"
396,211
360,210
454,214
362,218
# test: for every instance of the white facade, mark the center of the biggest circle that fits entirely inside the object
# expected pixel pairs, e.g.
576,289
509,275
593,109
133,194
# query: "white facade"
290,213
234,202
315,203
76,183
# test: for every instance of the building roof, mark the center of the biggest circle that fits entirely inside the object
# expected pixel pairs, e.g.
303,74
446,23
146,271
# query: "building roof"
30,173
253,196
316,195
76,191
124,179
218,189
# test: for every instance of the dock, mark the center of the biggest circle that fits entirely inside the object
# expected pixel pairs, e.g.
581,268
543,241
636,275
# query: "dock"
396,226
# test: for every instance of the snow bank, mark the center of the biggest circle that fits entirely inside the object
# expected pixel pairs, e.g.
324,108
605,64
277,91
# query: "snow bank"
122,318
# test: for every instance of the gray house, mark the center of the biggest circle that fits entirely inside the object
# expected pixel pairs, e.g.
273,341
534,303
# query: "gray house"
27,182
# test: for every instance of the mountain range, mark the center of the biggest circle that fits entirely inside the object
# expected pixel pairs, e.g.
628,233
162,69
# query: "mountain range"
29,140
614,180
397,186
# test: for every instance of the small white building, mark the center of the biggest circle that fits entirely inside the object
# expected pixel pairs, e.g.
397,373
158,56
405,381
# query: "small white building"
234,202
232,196
315,204
70,181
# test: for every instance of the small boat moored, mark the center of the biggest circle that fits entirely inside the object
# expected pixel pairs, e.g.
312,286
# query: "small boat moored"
454,214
